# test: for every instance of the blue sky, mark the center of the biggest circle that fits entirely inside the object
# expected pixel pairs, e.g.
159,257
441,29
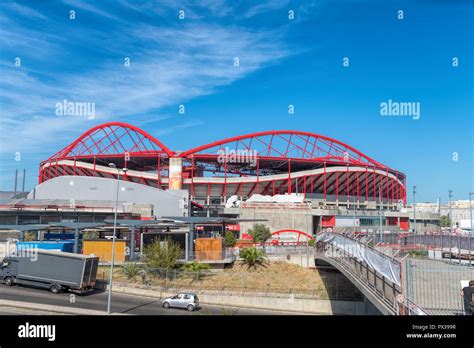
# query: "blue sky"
282,62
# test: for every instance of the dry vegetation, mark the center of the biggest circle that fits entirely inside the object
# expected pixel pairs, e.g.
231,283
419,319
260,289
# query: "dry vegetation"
274,277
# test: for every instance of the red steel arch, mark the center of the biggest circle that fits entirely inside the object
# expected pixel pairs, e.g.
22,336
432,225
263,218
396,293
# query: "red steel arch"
286,144
112,138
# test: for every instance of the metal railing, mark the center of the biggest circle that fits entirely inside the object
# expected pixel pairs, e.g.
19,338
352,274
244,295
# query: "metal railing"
439,241
385,291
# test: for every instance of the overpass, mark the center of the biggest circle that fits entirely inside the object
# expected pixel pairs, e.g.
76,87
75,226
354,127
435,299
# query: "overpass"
377,276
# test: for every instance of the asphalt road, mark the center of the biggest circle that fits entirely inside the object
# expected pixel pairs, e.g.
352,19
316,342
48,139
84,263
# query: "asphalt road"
126,304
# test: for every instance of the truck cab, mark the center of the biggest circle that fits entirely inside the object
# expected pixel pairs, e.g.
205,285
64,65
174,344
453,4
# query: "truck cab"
8,270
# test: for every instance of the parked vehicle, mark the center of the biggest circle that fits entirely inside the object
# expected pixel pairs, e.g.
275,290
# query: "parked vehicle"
187,300
53,270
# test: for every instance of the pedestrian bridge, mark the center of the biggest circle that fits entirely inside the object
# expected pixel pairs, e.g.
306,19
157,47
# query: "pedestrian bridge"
377,275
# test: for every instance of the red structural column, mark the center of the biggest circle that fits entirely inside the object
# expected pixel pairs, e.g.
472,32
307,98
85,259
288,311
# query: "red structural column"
397,191
304,186
367,184
273,187
312,184
258,178
57,165
94,163
193,192
325,181
289,176
347,181
158,169
357,183
404,191
386,185
375,186
74,165
392,181
337,185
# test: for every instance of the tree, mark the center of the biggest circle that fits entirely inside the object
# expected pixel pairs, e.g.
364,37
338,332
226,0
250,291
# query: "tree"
253,257
260,233
445,221
230,239
162,254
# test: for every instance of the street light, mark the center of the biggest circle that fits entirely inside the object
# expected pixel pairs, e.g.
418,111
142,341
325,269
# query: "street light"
470,210
450,194
109,300
414,210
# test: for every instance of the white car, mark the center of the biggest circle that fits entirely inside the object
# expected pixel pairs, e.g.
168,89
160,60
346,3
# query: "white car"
188,300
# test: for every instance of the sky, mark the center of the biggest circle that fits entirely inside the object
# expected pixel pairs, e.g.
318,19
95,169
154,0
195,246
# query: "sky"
335,61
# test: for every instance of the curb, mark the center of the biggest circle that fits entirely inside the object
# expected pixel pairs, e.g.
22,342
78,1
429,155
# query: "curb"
50,308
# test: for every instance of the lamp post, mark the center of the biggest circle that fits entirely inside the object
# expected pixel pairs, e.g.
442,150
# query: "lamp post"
450,195
470,210
414,209
109,299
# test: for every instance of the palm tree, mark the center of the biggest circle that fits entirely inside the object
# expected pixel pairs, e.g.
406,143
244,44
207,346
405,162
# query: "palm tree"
253,257
197,267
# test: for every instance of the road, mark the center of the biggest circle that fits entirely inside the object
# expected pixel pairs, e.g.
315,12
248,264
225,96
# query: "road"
125,304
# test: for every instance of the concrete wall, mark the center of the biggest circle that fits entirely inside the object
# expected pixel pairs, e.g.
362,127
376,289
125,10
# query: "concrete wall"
278,219
281,302
83,188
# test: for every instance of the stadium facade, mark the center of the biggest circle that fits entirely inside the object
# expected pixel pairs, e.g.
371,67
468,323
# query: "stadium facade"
266,163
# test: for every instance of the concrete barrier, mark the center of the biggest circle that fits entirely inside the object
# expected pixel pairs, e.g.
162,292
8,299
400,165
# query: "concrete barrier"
277,302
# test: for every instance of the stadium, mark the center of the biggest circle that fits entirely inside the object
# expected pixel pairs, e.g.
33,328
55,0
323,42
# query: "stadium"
324,170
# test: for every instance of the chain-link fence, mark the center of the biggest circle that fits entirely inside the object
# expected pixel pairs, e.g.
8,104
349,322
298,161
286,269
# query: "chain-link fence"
308,283
436,286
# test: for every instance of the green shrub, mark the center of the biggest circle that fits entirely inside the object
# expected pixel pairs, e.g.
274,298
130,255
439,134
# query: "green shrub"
131,270
253,257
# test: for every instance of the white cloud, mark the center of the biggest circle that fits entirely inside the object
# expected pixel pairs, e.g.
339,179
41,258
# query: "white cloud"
170,65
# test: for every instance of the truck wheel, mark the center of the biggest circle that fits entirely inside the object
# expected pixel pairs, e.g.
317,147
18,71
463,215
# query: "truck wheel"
190,307
55,288
166,305
8,281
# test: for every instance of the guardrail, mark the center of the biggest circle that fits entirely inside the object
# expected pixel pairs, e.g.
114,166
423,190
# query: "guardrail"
388,292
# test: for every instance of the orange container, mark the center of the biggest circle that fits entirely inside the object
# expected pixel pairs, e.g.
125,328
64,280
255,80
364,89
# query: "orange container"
210,248
102,248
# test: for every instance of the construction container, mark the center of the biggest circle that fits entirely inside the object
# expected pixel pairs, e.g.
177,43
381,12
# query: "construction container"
102,248
210,248
65,246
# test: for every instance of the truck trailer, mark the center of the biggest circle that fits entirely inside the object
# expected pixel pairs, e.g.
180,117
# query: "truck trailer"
53,270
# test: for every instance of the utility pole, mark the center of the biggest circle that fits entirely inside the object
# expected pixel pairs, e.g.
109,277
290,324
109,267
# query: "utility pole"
450,195
414,210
